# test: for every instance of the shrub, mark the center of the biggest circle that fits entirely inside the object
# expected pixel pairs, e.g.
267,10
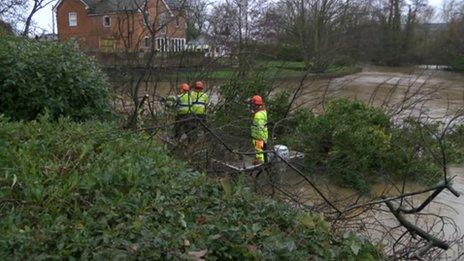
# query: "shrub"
283,52
90,191
456,139
41,76
457,63
356,145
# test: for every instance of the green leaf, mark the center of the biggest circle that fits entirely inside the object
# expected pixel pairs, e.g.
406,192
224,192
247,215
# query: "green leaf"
227,186
355,248
256,227
307,220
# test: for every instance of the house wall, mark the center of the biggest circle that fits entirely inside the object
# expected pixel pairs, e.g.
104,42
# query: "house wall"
127,31
83,31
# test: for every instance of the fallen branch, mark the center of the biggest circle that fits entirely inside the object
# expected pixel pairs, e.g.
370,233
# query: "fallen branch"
415,230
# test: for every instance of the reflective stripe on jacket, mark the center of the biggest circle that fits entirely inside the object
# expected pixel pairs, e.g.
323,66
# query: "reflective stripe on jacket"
259,126
199,102
183,104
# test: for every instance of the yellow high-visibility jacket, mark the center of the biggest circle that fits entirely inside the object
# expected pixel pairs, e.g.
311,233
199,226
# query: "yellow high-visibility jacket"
259,126
199,102
183,104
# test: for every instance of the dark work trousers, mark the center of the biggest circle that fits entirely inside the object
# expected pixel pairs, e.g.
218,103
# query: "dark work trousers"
183,125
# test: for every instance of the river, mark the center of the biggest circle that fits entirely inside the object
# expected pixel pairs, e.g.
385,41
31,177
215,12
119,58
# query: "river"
439,93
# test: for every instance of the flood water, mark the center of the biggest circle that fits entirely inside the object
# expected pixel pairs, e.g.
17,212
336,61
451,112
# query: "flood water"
402,91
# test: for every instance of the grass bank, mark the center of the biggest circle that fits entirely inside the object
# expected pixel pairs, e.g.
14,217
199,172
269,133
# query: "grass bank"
272,70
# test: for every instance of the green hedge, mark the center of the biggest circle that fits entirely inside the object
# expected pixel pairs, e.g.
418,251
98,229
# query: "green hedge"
88,190
42,76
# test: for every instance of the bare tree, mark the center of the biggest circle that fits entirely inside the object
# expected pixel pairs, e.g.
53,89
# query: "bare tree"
12,11
35,7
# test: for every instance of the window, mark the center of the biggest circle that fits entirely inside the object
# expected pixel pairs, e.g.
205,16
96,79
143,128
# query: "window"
163,23
72,19
177,22
106,21
147,42
146,19
164,44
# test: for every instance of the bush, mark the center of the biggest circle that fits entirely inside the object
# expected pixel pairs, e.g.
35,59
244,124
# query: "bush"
456,141
457,63
356,145
90,191
41,76
282,52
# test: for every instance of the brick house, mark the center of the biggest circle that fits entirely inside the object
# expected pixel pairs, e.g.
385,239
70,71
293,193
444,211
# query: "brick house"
117,25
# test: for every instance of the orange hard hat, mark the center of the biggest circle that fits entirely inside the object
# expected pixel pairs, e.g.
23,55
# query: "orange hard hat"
199,85
257,100
184,87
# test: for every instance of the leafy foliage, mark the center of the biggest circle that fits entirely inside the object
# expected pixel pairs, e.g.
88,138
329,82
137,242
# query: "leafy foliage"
88,190
457,63
456,141
279,52
356,145
40,76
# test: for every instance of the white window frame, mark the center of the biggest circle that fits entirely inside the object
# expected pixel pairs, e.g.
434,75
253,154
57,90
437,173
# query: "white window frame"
72,19
161,42
104,21
145,42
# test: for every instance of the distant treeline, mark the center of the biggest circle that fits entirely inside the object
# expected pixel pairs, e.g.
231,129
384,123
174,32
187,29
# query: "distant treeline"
326,32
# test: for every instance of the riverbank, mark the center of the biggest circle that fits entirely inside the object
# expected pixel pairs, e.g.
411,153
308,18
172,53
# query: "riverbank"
272,70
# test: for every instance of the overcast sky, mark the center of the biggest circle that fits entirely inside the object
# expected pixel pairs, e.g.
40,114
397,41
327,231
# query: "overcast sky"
44,17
